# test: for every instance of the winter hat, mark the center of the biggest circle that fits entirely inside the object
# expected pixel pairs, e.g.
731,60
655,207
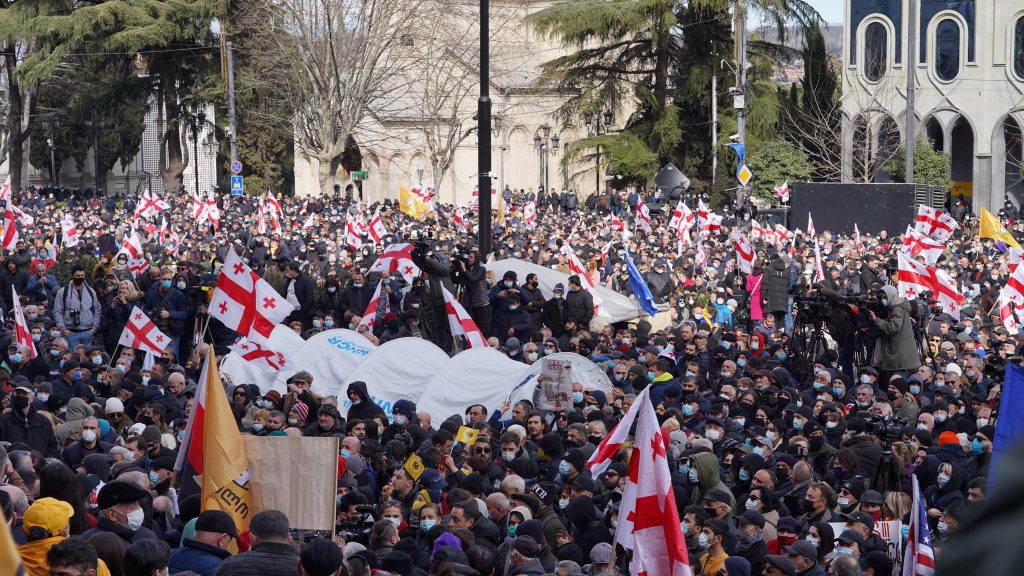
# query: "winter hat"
151,434
301,409
513,345
407,408
948,438
577,458
559,287
551,444
113,406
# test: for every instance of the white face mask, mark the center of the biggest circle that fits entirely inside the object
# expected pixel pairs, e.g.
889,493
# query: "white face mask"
531,356
693,475
844,502
135,518
89,436
712,435
396,520
751,504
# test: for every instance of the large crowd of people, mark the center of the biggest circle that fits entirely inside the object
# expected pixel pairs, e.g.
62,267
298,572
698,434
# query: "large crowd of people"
798,410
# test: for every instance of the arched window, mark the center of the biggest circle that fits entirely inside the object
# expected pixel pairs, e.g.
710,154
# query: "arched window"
947,49
876,51
1018,47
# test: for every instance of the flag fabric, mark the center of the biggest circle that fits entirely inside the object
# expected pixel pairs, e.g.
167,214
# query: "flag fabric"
245,302
460,221
530,214
648,519
913,277
947,293
938,224
576,266
1013,290
461,323
369,318
69,230
640,289
783,191
991,227
142,334
682,220
21,332
273,206
425,194
5,189
496,200
918,244
919,556
711,225
643,216
10,227
412,204
397,258
467,435
1006,315
1010,426
150,205
216,451
254,353
132,247
819,270
700,257
377,229
207,212
604,456
310,222
414,466
352,232
810,226
197,206
23,217
857,242
10,558
744,254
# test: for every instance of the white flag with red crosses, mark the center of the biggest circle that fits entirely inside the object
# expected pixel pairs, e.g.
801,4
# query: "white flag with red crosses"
142,334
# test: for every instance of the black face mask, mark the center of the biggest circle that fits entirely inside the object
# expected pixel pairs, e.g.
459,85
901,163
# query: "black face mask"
595,440
78,281
19,402
817,442
782,474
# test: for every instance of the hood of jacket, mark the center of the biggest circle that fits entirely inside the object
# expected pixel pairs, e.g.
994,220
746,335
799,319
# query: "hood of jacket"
360,387
707,467
78,409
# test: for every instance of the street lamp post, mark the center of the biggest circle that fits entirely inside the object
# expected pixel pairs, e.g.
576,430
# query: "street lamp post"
51,122
483,159
197,125
419,177
543,144
598,130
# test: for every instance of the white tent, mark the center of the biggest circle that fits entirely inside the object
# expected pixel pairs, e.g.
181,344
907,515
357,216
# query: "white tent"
613,307
475,376
398,370
590,375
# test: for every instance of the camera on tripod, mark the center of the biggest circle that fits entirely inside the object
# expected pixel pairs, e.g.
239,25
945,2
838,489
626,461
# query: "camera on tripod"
888,429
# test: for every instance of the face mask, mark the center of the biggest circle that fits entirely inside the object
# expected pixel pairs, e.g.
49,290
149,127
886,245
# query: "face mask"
812,540
89,436
513,306
781,356
329,323
939,417
563,502
865,379
54,353
16,357
915,390
702,541
531,356
257,427
798,424
97,360
693,475
77,375
396,520
943,527
712,435
751,504
759,451
549,351
357,285
427,524
317,323
844,549
962,410
922,426
830,424
687,410
577,397
153,478
744,475
844,502
970,374
976,446
43,397
885,301
650,376
401,419
145,380
981,422
165,284
37,337
293,421
942,480
332,289
508,456
508,283
135,518
78,281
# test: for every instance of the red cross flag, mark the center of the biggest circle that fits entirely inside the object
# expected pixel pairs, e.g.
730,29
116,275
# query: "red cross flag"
460,221
914,277
857,242
946,292
606,451
682,220
917,244
370,314
10,227
245,302
643,216
352,229
70,231
1013,291
273,207
377,229
150,205
254,353
710,225
744,254
648,519
810,226
397,258
210,213
461,323
702,213
700,257
142,334
530,214
137,262
1006,315
934,223
783,192
22,333
5,190
23,217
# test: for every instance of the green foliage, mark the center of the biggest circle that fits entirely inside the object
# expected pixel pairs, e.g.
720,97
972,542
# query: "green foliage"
774,162
930,166
623,153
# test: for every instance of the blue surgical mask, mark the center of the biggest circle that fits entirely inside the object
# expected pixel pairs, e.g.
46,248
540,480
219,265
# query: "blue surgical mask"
257,427
915,390
16,357
726,344
153,478
687,410
328,323
818,385
76,375
427,524
741,362
332,290
650,375
976,446
942,480
744,475
344,453
54,353
865,379
563,468
165,284
759,451
885,301
844,550
577,397
781,356
798,424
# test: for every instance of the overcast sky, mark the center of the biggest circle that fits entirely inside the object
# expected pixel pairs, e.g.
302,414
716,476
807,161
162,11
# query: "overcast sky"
831,10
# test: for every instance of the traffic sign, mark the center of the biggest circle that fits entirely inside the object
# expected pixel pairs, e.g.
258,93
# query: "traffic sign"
744,175
360,175
237,186
236,167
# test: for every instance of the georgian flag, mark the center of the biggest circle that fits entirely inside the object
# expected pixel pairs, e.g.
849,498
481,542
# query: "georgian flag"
369,318
142,334
711,225
857,242
70,231
744,254
150,205
1013,291
917,244
643,216
783,192
22,334
819,270
397,258
10,227
254,353
810,226
946,292
273,206
377,229
700,257
460,221
461,323
245,302
530,214
23,217
913,277
604,456
682,220
132,247
5,189
1006,314
934,223
352,231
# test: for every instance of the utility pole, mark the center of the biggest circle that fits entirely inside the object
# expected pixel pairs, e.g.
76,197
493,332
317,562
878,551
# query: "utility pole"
483,160
739,98
714,119
231,103
911,88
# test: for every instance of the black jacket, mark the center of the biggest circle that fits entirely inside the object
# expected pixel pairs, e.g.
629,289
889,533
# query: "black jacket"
366,409
579,306
34,430
553,316
776,286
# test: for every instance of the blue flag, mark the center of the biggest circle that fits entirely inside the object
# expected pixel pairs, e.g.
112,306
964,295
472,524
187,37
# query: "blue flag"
1010,426
640,288
741,153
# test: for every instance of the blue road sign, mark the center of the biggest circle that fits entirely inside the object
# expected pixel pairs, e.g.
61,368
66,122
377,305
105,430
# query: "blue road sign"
237,186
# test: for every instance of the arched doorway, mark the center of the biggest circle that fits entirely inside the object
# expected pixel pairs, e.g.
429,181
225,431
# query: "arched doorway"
961,151
1013,138
876,138
933,130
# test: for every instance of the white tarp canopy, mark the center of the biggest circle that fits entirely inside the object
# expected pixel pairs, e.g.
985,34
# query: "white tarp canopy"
590,375
398,370
614,307
475,376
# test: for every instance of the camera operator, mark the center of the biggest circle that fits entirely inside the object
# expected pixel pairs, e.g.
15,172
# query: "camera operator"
899,351
471,274
842,326
169,308
76,309
438,276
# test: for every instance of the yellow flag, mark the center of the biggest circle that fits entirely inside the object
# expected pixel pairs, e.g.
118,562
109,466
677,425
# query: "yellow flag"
414,466
225,483
467,435
992,228
412,204
10,559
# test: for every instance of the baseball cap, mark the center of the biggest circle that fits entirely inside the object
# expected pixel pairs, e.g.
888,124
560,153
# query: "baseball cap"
782,563
862,517
718,496
803,548
49,514
217,521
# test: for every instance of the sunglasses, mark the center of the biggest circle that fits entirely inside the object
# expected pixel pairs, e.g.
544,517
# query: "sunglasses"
482,450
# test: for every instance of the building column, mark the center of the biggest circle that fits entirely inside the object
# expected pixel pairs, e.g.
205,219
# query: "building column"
846,162
985,194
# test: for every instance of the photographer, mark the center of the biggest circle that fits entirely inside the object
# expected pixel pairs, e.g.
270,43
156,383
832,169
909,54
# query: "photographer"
506,298
469,272
76,309
438,276
896,342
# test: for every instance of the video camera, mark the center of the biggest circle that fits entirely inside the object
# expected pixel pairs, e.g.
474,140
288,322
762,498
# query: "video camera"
888,429
995,365
354,531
